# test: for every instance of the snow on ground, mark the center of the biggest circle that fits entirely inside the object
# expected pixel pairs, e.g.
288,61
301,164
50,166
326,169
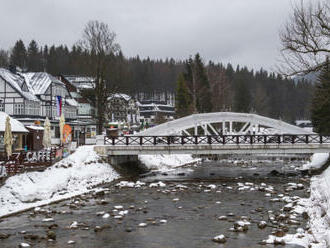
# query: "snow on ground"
74,175
317,208
164,162
317,161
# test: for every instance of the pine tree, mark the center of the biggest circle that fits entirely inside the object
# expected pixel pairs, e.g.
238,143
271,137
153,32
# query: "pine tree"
321,103
34,62
4,59
204,95
18,54
198,85
183,101
242,98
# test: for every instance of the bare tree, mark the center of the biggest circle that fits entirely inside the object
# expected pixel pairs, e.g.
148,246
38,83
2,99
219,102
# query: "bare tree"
99,42
306,39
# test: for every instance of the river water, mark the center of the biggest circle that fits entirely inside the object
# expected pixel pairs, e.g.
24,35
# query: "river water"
183,213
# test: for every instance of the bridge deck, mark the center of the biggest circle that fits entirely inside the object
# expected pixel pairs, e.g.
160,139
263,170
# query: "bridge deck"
228,144
212,149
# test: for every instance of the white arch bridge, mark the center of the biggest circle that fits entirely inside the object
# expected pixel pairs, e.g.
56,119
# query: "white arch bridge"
218,133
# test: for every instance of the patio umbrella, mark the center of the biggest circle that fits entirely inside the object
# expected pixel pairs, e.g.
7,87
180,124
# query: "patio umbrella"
8,139
46,141
62,123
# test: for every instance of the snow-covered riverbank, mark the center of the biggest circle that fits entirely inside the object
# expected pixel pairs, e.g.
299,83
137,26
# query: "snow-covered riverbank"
318,205
74,175
317,234
77,174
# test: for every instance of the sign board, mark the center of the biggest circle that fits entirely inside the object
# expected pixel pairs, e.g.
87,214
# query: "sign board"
19,162
38,156
67,136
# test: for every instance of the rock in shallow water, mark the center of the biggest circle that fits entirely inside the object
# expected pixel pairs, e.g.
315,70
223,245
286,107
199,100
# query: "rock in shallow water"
4,235
220,239
51,235
21,245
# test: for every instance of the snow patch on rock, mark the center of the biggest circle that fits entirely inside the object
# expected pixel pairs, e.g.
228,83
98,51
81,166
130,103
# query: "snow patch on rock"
164,162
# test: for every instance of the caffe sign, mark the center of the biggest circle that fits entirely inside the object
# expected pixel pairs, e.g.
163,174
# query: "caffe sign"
38,156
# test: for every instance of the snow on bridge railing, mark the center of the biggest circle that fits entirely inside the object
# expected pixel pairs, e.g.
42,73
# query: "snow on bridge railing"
217,140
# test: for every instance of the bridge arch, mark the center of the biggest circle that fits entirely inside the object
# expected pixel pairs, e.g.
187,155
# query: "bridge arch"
224,123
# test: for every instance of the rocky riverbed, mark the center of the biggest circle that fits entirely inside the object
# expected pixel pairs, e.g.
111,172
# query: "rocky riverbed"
237,205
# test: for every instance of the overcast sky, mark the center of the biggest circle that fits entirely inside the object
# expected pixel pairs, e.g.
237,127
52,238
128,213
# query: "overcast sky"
242,32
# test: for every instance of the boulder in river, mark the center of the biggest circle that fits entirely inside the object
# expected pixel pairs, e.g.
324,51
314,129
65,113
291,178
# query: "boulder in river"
220,239
262,224
51,235
4,236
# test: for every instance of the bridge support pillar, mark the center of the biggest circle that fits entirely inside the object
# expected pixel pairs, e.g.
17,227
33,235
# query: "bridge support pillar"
127,164
122,159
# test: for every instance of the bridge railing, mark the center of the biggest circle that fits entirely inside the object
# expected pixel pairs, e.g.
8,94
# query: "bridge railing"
217,140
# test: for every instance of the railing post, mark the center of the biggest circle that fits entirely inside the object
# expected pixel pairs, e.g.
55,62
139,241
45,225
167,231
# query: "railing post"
104,139
155,140
113,140
196,140
223,140
265,139
251,139
141,140
321,139
307,141
293,139
168,140
237,139
127,140
182,140
209,140
279,139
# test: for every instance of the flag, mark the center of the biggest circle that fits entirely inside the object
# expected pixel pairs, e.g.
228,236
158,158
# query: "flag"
59,105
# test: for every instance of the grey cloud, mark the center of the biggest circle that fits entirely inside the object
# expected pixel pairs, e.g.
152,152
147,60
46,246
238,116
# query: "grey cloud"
237,31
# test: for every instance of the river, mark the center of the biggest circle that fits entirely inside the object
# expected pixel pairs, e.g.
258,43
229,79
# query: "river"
194,205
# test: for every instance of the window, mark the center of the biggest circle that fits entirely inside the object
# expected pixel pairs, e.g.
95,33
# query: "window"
48,111
2,107
18,109
32,108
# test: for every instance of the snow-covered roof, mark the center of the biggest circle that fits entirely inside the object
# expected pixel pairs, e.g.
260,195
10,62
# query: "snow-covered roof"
35,127
16,81
154,105
298,122
120,95
38,82
16,126
81,82
71,102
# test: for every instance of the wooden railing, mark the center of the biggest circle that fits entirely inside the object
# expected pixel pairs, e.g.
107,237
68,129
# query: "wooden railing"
217,140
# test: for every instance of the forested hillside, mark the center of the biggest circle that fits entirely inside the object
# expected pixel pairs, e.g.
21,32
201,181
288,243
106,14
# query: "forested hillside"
220,88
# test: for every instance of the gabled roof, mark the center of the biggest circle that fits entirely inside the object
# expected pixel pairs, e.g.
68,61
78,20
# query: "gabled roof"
70,87
17,81
38,82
